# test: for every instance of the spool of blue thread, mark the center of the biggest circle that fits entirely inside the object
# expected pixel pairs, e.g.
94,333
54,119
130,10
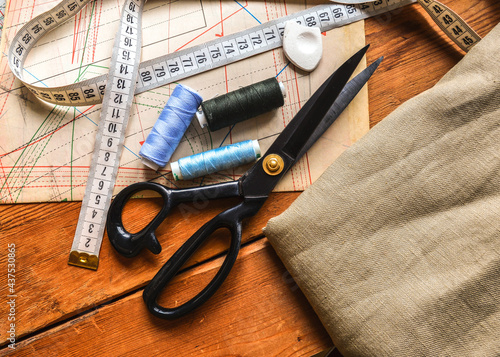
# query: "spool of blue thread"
170,127
215,160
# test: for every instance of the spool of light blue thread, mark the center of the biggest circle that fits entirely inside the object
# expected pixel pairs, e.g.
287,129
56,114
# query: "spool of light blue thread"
170,127
215,160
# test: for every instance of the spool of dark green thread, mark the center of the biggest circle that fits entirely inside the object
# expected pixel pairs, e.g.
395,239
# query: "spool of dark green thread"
241,104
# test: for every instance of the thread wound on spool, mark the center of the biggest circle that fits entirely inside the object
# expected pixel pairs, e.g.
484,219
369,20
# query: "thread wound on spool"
170,127
215,160
242,104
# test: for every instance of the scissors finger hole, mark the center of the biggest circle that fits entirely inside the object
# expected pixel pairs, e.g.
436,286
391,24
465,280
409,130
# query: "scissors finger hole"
146,209
198,271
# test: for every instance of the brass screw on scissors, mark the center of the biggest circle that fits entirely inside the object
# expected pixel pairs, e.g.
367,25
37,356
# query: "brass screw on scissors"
273,164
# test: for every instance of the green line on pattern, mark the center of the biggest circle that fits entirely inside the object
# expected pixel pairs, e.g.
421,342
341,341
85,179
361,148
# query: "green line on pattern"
82,73
147,105
95,65
26,147
42,150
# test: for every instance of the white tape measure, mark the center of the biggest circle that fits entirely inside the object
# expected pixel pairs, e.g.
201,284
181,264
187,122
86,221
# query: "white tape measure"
115,112
187,62
117,90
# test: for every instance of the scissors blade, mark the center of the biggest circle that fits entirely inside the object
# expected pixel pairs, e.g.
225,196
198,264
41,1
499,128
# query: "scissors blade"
299,130
258,181
343,100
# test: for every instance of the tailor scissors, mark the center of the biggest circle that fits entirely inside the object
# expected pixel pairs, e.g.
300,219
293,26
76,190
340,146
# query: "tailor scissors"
318,113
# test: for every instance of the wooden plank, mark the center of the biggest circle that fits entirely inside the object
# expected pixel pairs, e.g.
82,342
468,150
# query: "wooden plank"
259,302
52,290
417,53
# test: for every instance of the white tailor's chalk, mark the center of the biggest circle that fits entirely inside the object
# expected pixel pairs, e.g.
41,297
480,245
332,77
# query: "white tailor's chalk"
302,45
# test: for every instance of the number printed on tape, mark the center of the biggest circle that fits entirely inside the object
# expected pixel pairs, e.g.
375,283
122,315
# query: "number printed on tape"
452,24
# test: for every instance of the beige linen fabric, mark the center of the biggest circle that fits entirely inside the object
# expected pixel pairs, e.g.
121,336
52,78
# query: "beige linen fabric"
397,245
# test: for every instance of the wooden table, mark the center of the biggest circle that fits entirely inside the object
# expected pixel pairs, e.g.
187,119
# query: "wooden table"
259,311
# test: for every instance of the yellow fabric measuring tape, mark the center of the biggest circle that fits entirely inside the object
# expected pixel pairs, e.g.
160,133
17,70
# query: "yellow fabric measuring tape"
451,24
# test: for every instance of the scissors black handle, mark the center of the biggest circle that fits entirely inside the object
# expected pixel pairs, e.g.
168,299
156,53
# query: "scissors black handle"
230,219
130,244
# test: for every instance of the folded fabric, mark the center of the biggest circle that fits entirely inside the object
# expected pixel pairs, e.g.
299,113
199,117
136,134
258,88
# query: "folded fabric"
397,244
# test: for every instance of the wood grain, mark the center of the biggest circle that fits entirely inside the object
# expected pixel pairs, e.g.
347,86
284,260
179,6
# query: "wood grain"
255,314
259,311
61,291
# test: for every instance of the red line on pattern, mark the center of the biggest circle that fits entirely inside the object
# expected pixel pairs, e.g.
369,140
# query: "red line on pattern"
204,32
32,9
221,22
6,183
19,17
8,93
140,122
298,104
97,27
27,7
168,26
85,27
76,28
308,168
46,136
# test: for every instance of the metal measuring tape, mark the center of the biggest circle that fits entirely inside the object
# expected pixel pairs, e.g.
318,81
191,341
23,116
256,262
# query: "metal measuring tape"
127,77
